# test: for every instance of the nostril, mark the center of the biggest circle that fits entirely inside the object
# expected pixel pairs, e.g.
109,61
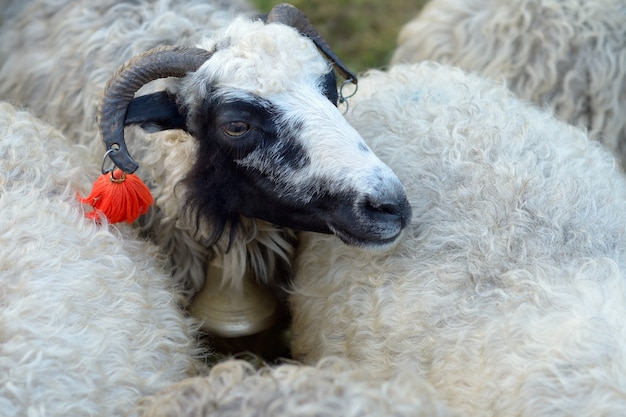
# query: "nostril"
373,220
382,207
396,209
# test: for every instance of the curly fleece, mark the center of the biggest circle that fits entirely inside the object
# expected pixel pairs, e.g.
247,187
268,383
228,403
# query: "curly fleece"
566,55
507,291
89,320
333,387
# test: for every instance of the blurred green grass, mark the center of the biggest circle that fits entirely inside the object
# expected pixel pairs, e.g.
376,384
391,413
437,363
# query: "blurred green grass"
362,32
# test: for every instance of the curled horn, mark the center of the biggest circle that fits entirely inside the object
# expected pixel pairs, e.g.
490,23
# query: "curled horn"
291,16
156,63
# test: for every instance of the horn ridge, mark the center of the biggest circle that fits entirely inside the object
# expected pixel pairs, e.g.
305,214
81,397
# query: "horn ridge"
160,62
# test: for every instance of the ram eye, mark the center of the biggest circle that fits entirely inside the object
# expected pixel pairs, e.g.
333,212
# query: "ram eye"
236,129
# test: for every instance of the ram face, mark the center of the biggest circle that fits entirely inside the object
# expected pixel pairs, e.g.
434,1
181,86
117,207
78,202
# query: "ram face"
259,99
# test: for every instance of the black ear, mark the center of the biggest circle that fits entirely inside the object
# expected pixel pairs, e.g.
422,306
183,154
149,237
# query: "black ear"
330,87
155,112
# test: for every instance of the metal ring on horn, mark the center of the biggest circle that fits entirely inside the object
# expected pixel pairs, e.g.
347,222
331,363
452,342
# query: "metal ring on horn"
343,99
109,151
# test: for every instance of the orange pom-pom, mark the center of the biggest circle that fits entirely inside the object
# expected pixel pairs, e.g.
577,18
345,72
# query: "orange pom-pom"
118,196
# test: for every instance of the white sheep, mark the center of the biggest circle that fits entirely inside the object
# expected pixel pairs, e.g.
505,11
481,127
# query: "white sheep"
331,388
507,290
567,55
265,141
90,319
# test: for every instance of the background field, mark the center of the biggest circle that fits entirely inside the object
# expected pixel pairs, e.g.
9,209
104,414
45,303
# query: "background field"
362,32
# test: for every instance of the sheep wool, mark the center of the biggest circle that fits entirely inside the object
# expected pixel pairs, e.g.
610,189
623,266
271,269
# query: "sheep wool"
507,291
566,55
333,387
90,320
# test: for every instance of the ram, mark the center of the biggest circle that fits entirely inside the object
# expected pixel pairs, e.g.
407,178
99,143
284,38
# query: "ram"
566,55
90,319
248,138
507,290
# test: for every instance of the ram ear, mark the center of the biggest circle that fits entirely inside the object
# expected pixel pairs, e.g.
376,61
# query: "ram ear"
156,112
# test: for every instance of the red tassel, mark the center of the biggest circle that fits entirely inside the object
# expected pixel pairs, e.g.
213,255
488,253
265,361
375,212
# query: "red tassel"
118,196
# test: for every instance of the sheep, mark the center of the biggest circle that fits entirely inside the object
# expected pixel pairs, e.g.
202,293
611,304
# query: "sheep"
568,56
280,158
507,290
333,387
277,131
90,319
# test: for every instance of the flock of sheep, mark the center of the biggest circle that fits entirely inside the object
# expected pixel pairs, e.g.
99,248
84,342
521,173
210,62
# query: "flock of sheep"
453,245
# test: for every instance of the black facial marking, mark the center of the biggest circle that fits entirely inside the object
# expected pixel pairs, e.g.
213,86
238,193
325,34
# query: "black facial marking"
221,188
215,182
220,121
248,154
293,155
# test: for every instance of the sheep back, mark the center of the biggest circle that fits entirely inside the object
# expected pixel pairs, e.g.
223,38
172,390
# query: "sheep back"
507,290
333,387
90,321
57,56
569,56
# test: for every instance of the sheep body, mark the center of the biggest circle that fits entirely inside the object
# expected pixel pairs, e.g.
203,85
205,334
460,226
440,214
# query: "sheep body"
90,319
507,290
330,388
567,55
